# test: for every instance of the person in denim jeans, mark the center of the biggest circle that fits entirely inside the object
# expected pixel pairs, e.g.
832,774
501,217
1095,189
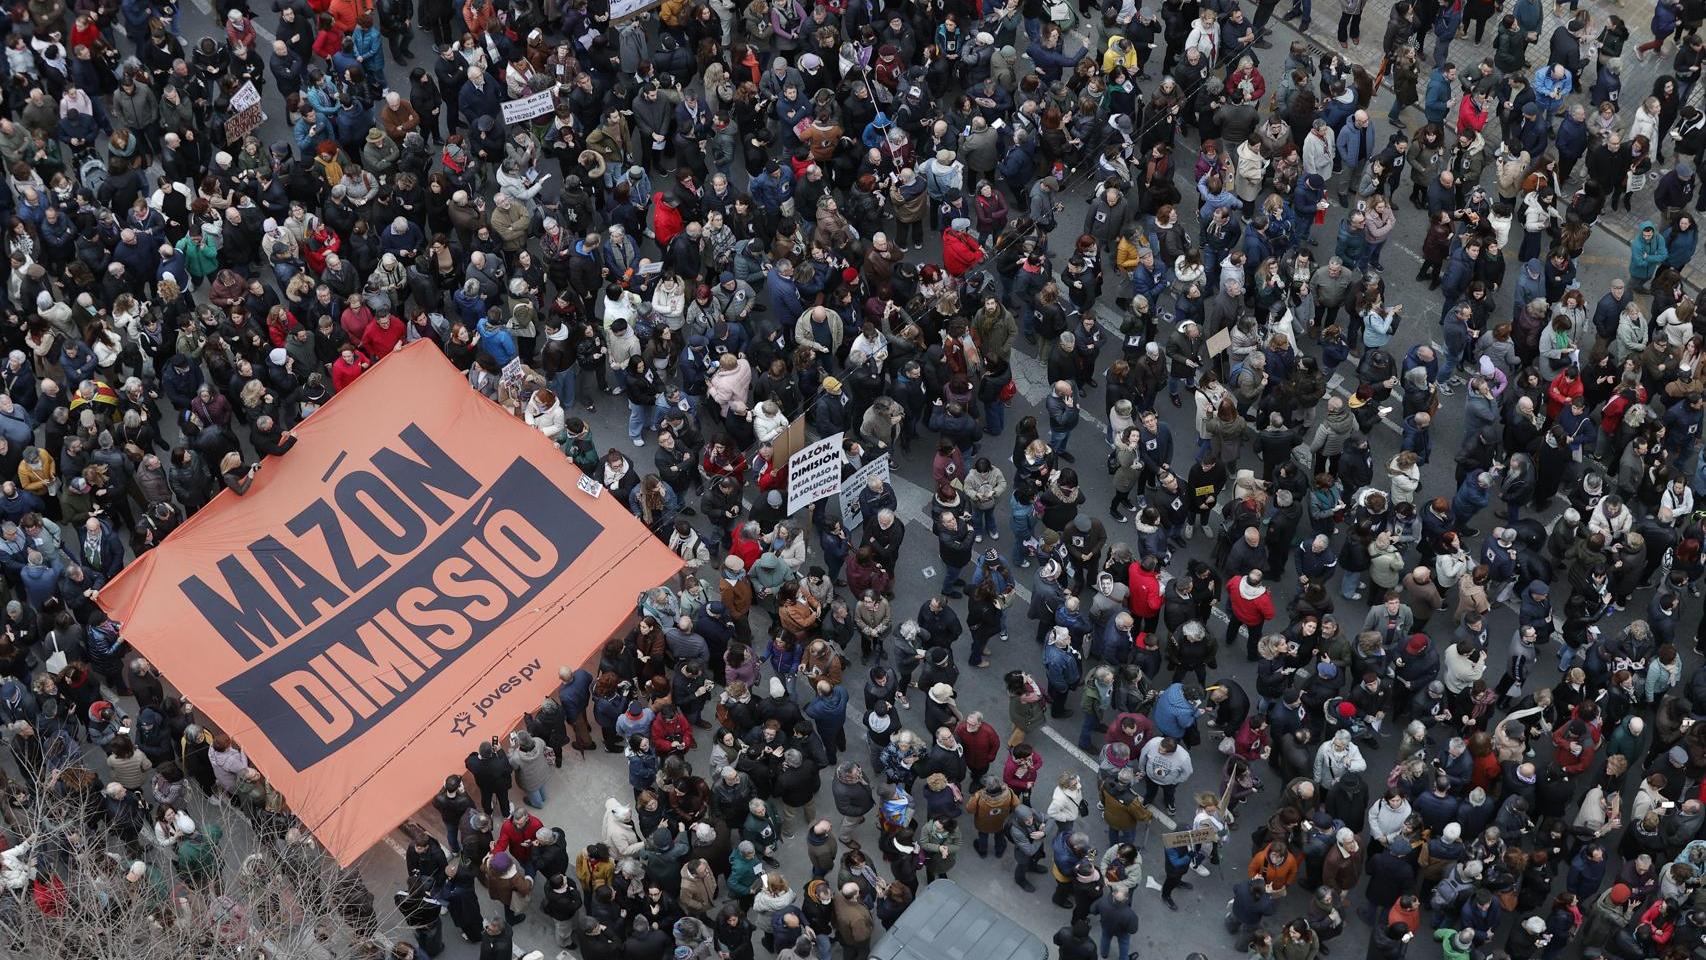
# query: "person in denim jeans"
991,808
1063,417
1119,920
640,382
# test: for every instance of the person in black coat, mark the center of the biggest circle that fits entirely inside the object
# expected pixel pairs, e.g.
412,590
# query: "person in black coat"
1390,875
1073,942
461,900
426,858
420,910
646,942
597,941
491,771
1390,942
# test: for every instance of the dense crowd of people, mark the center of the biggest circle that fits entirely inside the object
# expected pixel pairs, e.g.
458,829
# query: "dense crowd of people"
723,218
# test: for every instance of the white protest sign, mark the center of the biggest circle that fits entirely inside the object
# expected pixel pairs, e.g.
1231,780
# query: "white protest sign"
851,518
530,106
622,9
814,473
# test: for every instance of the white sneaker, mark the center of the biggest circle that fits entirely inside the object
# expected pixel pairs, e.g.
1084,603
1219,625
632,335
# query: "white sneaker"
978,538
994,534
639,441
1203,870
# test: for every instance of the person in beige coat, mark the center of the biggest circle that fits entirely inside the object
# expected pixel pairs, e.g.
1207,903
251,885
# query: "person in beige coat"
511,222
1251,168
698,888
1472,594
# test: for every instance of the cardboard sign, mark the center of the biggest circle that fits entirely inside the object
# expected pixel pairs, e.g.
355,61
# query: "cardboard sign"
854,484
399,587
1219,342
814,473
1186,838
246,113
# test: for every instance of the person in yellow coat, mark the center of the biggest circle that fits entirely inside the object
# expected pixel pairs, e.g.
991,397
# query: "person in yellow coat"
1121,52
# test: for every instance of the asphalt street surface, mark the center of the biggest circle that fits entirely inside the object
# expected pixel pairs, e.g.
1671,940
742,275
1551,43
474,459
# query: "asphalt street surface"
576,795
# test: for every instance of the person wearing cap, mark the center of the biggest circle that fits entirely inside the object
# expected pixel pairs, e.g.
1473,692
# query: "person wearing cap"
960,248
1611,912
196,852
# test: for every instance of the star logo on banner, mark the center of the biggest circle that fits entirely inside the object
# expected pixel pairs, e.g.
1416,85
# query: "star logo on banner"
463,724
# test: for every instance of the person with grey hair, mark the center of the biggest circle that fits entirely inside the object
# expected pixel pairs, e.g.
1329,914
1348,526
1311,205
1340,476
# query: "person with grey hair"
796,789
1338,757
745,874
763,826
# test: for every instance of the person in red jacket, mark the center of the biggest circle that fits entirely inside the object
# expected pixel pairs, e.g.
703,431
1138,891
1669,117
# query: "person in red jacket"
960,249
743,545
1573,747
1629,393
351,363
1566,386
516,837
666,218
979,743
1250,605
1145,601
382,336
672,732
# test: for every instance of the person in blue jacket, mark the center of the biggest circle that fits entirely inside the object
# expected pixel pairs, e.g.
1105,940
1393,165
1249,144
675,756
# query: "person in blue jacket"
1305,197
1176,711
1436,103
1063,668
496,339
1587,872
1680,239
1471,497
1445,30
575,693
1571,139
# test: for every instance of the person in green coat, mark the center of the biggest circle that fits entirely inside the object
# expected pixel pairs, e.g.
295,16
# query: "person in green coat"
578,445
1456,944
201,255
744,873
197,851
763,828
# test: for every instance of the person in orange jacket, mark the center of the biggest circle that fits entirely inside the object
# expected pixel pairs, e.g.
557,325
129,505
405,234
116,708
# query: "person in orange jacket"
346,12
1276,864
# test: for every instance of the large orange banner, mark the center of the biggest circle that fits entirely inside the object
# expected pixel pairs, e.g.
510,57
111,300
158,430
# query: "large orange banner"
399,586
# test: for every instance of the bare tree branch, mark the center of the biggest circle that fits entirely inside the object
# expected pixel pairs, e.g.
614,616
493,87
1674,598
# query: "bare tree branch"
78,888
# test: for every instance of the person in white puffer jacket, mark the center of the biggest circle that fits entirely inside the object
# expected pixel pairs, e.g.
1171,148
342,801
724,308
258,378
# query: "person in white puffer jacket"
544,412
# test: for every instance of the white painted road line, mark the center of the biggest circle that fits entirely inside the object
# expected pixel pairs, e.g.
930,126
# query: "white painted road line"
1084,758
